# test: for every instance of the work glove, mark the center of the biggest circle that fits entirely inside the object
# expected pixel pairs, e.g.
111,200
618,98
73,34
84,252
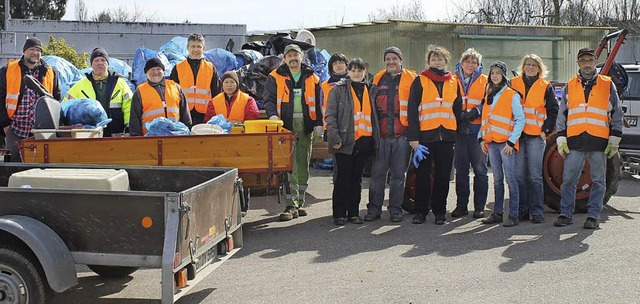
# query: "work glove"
612,146
470,115
563,148
318,130
274,117
419,154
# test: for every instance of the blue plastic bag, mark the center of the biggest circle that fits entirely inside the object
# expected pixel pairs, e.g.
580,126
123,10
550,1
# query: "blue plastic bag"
67,73
140,59
219,120
223,60
318,63
177,45
163,126
84,111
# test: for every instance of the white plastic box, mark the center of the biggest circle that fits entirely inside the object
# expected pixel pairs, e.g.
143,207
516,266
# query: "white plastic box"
79,179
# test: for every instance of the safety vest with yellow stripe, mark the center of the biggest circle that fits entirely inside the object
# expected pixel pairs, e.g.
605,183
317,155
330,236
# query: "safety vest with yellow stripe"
283,94
362,114
120,96
435,110
14,84
237,109
473,98
533,104
592,116
198,91
498,123
154,107
404,89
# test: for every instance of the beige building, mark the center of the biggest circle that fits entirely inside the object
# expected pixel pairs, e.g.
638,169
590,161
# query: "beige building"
557,45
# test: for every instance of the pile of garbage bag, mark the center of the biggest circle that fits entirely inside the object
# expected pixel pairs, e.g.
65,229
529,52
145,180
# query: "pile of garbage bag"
84,112
163,126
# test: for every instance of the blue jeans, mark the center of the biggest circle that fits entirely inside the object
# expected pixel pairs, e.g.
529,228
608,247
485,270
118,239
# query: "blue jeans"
529,174
503,166
573,165
468,151
393,157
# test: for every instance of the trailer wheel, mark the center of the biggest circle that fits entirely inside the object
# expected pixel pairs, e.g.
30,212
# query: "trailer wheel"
22,280
553,166
112,271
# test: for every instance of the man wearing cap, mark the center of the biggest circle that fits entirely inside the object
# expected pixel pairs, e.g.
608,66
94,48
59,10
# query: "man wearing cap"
589,126
292,94
17,102
394,84
197,77
157,98
110,89
233,104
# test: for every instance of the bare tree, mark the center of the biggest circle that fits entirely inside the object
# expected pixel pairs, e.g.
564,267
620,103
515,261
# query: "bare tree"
409,11
124,14
82,14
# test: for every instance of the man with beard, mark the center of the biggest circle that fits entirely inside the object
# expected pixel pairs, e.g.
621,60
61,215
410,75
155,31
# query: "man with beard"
292,93
589,126
17,102
197,77
109,89
392,99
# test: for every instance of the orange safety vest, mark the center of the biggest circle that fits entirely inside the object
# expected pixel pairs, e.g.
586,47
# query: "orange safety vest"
590,116
326,88
435,110
196,92
498,123
533,104
362,118
14,84
282,92
153,107
237,109
406,78
473,98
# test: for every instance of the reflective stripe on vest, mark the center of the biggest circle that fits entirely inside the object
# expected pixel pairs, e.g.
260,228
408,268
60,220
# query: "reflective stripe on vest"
237,109
283,94
590,116
473,98
533,104
498,123
361,118
435,110
404,89
197,94
154,107
14,84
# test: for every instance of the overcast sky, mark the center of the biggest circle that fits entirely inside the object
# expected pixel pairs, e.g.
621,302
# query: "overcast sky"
258,16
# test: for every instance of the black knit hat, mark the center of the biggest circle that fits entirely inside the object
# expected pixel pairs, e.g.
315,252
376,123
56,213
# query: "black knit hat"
334,58
500,65
32,42
99,52
394,50
152,63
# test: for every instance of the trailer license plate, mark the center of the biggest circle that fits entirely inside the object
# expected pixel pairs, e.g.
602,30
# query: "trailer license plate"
207,258
632,120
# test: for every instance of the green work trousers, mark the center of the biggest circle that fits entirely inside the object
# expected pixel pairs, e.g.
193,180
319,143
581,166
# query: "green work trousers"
299,177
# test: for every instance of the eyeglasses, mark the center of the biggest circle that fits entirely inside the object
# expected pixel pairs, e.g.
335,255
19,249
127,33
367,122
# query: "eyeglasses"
587,60
531,65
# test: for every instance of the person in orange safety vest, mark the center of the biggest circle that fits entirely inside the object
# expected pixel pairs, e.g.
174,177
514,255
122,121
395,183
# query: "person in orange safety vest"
233,104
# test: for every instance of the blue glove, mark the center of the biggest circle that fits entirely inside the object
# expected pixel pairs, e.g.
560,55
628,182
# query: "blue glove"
419,155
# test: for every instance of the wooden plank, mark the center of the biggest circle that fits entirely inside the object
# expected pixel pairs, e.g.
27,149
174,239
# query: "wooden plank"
247,152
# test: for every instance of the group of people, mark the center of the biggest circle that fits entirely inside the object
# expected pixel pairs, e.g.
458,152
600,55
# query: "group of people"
460,119
193,93
445,119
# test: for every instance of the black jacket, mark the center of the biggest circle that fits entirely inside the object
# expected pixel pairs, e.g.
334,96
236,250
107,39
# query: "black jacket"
42,69
271,103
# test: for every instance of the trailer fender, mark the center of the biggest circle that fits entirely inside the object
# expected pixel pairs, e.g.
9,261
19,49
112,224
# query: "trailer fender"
51,251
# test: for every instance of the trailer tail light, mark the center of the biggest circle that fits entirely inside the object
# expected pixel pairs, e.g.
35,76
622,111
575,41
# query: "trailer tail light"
176,260
230,245
181,278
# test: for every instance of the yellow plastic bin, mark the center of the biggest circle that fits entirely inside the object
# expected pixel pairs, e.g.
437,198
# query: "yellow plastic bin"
262,126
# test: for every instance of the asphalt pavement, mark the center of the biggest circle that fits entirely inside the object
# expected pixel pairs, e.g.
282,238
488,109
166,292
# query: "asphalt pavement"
310,260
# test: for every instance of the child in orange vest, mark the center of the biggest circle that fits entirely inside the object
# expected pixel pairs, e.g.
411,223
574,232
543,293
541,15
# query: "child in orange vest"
502,123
